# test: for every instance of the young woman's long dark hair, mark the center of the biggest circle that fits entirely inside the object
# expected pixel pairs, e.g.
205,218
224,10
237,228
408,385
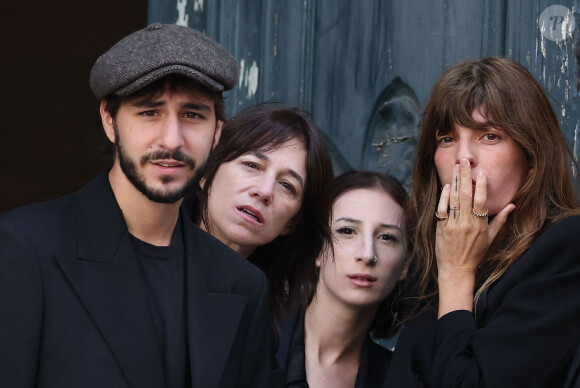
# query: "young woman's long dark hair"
288,260
385,323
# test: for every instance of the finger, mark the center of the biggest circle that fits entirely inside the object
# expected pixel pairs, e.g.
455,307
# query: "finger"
454,194
465,189
499,220
444,201
480,196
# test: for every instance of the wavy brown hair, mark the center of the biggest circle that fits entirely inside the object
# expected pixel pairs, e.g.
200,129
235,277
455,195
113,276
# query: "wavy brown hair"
509,98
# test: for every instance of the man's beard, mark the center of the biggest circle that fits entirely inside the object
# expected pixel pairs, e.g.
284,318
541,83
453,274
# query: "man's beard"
160,196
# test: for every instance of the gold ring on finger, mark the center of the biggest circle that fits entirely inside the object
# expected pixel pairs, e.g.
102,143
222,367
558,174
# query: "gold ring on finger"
480,215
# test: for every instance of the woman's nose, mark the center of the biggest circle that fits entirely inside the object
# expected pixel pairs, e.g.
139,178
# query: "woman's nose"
465,150
366,252
264,190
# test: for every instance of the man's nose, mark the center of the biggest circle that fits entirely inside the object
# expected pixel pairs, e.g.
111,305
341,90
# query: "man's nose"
171,136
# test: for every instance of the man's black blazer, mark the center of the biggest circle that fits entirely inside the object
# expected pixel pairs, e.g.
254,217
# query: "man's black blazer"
74,309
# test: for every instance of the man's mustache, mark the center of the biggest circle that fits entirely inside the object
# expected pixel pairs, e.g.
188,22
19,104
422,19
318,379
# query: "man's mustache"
165,155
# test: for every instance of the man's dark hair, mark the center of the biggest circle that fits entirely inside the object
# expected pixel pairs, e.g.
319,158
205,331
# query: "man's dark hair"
173,83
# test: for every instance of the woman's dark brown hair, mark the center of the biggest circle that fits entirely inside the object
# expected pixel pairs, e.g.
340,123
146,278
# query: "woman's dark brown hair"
385,323
288,260
509,98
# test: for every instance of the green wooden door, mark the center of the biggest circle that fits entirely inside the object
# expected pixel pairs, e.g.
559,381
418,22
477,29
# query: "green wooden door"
364,68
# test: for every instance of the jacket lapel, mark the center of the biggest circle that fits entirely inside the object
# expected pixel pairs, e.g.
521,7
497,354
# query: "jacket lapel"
213,313
107,278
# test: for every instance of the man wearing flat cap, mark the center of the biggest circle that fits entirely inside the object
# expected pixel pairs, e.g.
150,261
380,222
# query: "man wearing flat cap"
113,286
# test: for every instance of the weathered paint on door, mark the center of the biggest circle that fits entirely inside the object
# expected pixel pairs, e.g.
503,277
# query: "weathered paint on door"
364,68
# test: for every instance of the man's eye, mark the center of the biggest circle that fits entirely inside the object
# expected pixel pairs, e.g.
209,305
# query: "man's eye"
193,115
148,113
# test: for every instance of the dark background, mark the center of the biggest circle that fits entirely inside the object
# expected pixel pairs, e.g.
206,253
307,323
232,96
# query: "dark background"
51,140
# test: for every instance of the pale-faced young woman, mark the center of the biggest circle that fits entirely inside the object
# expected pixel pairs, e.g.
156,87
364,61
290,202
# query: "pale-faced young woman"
329,344
266,194
494,219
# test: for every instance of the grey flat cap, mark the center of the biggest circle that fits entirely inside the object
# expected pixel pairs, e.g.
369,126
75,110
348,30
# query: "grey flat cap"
158,50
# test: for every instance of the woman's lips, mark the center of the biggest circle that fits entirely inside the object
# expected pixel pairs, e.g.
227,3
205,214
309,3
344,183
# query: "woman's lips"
251,214
362,280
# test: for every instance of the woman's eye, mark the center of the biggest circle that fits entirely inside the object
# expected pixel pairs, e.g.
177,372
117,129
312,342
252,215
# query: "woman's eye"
288,187
446,140
491,137
251,165
345,230
388,237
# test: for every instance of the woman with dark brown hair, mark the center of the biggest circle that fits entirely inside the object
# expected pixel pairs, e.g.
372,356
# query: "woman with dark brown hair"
494,218
265,192
329,344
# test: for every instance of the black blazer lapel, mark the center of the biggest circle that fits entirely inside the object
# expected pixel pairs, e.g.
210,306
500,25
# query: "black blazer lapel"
213,315
106,276
214,320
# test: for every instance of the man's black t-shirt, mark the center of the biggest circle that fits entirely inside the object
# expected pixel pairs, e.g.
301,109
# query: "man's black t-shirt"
163,270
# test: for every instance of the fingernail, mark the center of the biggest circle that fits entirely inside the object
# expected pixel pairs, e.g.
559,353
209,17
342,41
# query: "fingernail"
464,162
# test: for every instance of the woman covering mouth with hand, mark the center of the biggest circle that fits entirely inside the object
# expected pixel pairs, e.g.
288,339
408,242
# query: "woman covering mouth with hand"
265,192
329,345
497,262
